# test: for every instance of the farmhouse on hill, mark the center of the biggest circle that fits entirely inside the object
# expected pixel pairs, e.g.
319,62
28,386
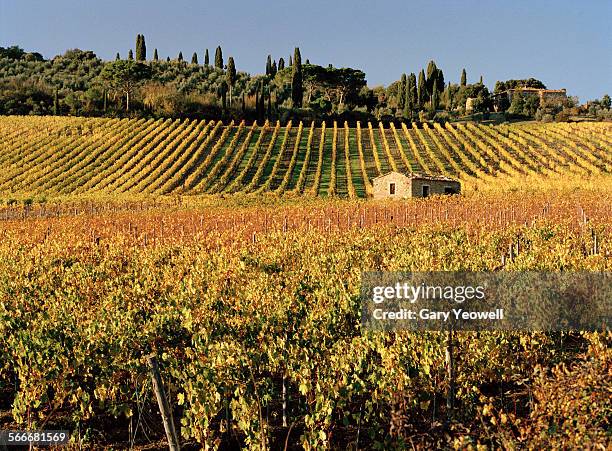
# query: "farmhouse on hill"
395,185
546,96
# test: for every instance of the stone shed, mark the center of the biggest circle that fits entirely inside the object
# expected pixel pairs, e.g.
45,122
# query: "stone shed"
395,185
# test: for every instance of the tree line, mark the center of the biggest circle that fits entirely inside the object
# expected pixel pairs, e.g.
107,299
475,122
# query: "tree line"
80,83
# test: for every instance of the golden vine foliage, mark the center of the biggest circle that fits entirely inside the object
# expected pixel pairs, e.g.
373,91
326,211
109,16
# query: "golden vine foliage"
90,156
236,300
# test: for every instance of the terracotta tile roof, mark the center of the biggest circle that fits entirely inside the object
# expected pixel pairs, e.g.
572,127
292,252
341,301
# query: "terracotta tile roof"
417,175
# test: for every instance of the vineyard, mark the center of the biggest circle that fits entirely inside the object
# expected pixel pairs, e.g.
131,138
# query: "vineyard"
55,156
119,240
254,314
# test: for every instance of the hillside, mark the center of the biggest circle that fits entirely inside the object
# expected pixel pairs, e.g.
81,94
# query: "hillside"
69,155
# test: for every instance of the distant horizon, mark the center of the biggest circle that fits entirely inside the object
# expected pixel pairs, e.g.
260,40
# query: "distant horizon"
563,44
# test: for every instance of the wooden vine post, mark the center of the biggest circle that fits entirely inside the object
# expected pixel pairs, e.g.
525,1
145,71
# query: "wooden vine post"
450,371
164,406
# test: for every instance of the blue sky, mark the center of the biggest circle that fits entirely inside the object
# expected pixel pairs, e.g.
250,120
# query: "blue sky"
565,43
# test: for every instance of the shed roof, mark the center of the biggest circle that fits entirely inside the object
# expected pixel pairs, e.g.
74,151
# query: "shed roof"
417,175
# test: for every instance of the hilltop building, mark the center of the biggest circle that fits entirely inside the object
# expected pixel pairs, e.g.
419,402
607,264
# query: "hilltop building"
395,185
546,96
469,105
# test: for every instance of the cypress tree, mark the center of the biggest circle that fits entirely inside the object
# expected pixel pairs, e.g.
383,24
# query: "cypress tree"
274,68
141,48
180,57
401,92
281,64
269,65
230,75
435,101
297,91
297,57
206,58
269,113
105,97
463,78
431,68
407,101
448,96
243,104
117,57
414,93
56,103
130,55
440,81
290,61
194,58
411,95
307,61
219,58
432,72
296,88
155,56
167,59
422,90
481,80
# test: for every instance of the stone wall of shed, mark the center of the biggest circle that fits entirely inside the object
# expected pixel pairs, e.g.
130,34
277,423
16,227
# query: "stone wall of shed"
380,187
435,186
